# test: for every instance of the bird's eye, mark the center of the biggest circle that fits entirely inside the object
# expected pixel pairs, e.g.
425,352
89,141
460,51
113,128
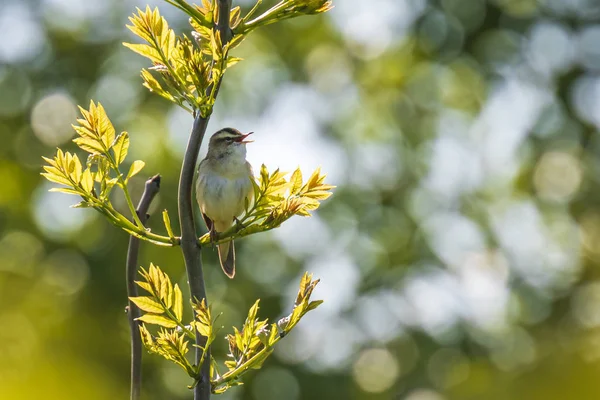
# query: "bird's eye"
229,140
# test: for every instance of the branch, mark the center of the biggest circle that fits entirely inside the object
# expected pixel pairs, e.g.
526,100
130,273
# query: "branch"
150,190
191,250
189,245
223,22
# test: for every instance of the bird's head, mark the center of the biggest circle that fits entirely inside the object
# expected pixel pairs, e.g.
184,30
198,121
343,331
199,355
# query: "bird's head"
228,141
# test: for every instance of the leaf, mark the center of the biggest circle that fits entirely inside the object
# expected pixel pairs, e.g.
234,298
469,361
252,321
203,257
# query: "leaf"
296,182
157,320
106,129
231,61
145,50
135,168
167,222
147,304
318,194
65,190
87,181
120,147
87,144
177,302
58,179
313,304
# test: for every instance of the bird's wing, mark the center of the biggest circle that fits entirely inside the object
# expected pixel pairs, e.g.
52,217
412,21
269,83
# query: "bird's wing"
207,221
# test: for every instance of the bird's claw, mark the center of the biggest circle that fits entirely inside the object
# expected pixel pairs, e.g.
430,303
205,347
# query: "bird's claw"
214,236
238,223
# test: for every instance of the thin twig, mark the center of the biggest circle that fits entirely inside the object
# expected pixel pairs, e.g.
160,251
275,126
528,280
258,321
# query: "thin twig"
150,190
189,241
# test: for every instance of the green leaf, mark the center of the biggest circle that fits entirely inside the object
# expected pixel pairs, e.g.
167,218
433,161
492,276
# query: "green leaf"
167,222
313,304
87,181
145,50
296,182
88,144
177,302
120,147
65,190
157,320
147,304
135,168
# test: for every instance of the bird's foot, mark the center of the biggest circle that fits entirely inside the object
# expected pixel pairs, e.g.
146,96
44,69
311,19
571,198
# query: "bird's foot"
214,236
238,224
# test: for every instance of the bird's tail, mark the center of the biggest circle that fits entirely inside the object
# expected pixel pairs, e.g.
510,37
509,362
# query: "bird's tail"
227,258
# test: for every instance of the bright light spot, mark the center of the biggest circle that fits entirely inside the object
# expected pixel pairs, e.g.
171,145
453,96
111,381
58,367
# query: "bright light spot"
288,135
433,295
588,47
374,28
118,95
53,215
375,370
275,384
22,37
453,237
484,278
66,270
424,394
545,253
339,277
374,316
550,48
557,176
302,237
375,166
52,117
20,253
455,167
507,118
585,95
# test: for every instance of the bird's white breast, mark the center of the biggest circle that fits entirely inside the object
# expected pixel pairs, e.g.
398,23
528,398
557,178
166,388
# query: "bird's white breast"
221,197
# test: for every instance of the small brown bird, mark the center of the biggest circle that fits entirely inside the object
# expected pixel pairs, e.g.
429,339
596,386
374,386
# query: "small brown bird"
224,182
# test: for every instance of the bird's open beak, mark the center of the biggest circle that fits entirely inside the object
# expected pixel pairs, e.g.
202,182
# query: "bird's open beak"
242,139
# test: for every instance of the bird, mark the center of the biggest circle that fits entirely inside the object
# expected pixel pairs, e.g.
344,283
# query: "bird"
224,187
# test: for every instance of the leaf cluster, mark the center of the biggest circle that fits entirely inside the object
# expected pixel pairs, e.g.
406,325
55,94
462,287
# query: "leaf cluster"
184,71
164,308
249,346
102,171
276,199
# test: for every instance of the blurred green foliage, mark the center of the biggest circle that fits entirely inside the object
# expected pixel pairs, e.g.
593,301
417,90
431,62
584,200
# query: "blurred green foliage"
458,257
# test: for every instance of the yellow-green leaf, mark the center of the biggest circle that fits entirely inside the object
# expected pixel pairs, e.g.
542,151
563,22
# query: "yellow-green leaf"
157,320
135,168
177,302
57,179
296,182
65,190
167,222
318,194
89,144
87,181
147,304
145,50
120,147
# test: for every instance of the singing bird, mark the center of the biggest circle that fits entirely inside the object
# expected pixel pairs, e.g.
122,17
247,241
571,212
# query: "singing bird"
224,182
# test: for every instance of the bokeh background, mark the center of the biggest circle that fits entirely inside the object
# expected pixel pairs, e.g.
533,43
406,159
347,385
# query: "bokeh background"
458,257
